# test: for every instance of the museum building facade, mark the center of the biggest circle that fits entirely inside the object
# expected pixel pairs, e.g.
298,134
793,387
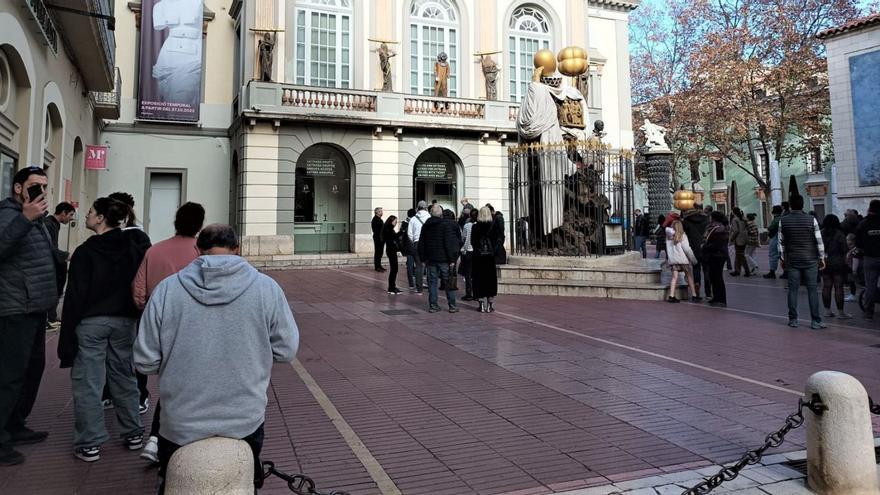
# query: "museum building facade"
296,135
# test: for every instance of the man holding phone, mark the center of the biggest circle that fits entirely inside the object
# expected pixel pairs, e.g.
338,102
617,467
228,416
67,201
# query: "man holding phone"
28,290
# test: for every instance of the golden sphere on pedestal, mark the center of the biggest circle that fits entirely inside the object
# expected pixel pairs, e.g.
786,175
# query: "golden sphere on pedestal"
544,58
683,199
573,61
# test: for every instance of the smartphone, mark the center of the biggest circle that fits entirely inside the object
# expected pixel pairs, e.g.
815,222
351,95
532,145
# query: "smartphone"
34,191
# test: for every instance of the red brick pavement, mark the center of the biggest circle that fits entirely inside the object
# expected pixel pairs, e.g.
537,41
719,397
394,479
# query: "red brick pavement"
475,403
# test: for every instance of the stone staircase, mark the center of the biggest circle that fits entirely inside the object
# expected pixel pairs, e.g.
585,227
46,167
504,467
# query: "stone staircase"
307,261
626,276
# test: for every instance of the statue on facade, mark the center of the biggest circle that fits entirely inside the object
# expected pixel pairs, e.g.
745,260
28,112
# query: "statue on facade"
441,75
266,47
385,55
655,138
490,73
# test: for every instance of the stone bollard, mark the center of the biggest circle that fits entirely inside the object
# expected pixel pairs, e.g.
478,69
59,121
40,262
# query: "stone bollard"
840,442
214,465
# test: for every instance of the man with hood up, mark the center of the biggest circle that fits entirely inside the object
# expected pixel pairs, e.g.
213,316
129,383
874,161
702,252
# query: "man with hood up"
211,332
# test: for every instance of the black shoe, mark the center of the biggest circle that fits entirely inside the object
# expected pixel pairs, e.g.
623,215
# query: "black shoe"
734,274
394,292
433,309
771,275
28,436
10,457
467,297
696,298
671,299
718,304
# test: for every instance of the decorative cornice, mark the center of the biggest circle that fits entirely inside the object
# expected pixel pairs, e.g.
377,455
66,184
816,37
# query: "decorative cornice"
626,5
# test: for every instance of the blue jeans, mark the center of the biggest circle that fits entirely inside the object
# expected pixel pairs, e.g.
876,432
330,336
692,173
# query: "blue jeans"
774,254
809,274
437,271
411,271
640,241
104,351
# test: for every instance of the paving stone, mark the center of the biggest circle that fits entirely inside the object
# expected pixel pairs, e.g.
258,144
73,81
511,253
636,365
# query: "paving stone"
791,487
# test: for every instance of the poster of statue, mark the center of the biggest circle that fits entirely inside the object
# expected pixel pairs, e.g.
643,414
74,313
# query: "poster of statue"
170,84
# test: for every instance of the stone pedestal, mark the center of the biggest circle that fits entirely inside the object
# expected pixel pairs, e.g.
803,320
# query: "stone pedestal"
659,165
215,466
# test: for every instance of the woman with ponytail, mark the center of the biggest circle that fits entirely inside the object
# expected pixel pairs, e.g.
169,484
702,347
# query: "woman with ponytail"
98,329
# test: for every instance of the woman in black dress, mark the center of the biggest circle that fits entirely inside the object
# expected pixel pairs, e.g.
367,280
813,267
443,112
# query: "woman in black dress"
484,237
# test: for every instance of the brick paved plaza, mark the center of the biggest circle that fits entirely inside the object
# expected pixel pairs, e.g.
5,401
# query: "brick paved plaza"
545,395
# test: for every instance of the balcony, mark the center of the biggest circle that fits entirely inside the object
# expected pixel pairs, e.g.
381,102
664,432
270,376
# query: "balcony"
289,102
89,42
43,25
106,103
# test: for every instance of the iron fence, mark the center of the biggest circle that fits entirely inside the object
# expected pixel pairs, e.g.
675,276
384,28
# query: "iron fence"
570,199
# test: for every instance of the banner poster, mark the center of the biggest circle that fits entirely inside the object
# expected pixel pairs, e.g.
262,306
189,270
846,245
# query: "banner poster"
170,84
96,157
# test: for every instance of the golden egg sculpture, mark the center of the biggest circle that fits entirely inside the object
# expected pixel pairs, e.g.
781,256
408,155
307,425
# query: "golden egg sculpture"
573,61
683,199
544,58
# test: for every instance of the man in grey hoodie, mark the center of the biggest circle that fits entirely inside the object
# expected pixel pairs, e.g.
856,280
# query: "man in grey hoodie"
211,333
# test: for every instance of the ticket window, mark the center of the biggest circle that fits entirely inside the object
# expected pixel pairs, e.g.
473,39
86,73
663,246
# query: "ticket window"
435,179
322,199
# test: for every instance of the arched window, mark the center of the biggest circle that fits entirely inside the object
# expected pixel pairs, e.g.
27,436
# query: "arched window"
433,28
529,31
323,43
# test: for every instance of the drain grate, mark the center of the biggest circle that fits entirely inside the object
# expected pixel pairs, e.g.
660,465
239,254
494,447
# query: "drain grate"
398,312
801,466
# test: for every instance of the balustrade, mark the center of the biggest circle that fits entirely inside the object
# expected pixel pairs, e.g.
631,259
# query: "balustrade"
443,107
328,99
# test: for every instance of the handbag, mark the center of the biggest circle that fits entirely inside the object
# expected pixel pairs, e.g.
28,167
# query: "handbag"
452,283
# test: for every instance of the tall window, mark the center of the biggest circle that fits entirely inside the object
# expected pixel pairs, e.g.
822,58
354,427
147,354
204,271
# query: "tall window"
763,165
719,169
323,43
433,28
815,160
529,32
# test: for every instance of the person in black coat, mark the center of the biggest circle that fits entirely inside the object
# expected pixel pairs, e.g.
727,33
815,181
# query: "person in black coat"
660,236
485,236
98,329
391,240
376,224
714,256
695,222
438,247
836,270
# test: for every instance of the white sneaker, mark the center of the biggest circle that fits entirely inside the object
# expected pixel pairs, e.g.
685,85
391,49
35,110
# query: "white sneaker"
151,450
844,316
144,406
107,403
88,454
829,313
849,298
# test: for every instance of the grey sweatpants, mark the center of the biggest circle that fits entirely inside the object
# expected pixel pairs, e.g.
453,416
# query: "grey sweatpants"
104,350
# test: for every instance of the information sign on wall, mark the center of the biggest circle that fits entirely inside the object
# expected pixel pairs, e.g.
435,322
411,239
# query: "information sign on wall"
320,167
432,170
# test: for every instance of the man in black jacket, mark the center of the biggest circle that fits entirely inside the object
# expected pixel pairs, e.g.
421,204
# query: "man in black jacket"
868,241
802,254
27,291
439,246
64,213
641,232
376,225
695,222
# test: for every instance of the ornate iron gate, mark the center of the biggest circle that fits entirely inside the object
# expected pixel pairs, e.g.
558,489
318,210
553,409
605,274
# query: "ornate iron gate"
570,199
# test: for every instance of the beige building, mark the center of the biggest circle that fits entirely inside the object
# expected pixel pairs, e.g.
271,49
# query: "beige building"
57,82
298,162
853,52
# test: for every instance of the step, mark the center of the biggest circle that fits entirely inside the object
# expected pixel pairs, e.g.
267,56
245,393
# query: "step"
620,274
309,261
581,288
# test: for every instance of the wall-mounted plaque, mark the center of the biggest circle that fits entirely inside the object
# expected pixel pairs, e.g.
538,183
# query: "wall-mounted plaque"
432,170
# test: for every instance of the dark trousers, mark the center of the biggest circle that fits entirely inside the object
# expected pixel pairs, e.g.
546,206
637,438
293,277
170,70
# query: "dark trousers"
833,279
716,276
807,273
377,256
154,426
22,360
168,448
392,273
466,267
739,263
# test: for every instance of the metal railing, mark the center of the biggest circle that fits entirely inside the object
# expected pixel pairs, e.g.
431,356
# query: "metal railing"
570,199
44,22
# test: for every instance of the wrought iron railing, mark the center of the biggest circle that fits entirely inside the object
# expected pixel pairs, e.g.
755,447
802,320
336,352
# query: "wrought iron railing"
44,22
570,199
109,98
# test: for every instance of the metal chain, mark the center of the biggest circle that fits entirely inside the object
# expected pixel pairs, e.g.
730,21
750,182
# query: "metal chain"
299,484
775,439
873,406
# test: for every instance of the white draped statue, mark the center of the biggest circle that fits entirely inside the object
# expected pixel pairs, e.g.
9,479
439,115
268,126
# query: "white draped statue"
538,119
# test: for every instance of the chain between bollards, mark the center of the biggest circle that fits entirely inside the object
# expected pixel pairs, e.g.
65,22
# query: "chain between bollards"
299,484
775,439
